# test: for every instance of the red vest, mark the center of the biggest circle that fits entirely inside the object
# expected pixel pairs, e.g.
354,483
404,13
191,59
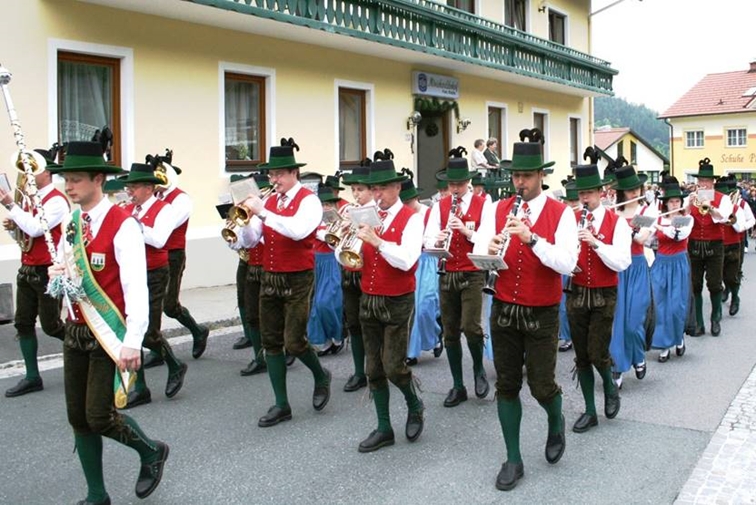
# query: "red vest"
527,281
156,258
668,246
378,276
282,254
38,254
730,236
177,240
255,255
704,227
109,278
460,246
594,273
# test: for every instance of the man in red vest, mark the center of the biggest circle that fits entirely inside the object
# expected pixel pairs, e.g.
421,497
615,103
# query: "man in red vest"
537,239
388,301
286,222
156,218
733,235
705,245
605,241
104,245
31,282
453,225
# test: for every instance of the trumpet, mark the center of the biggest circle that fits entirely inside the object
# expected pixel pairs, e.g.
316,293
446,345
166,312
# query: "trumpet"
577,269
239,217
735,198
447,241
493,275
335,232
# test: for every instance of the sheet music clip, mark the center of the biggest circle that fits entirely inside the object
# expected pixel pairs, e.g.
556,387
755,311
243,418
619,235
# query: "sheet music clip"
330,216
438,253
681,221
642,221
487,262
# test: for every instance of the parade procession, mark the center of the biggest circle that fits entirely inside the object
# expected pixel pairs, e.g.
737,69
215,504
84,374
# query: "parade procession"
342,300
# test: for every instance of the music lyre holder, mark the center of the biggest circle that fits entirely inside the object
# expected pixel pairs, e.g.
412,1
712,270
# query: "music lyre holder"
642,221
487,262
438,253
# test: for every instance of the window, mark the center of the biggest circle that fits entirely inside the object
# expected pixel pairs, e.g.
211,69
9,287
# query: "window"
244,121
89,99
514,13
620,148
463,5
694,138
633,153
495,117
574,141
557,27
352,126
540,121
736,137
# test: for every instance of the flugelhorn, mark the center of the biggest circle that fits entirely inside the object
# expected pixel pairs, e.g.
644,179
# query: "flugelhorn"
239,217
493,274
335,231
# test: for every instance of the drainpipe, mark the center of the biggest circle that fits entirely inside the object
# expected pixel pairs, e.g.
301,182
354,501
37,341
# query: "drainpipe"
671,150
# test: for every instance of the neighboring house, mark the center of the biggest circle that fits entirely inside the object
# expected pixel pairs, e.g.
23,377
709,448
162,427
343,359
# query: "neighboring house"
716,119
615,142
221,81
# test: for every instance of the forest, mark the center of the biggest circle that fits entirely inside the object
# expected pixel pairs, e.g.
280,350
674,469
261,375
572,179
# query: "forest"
619,113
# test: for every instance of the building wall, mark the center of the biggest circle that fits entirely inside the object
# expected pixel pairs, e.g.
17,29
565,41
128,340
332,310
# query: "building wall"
172,99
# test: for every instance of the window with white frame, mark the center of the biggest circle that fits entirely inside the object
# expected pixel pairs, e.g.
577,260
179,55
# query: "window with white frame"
574,141
557,27
496,121
464,5
352,126
736,137
694,139
515,12
541,121
244,121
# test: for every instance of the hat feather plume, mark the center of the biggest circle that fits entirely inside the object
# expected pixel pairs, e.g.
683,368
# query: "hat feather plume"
289,143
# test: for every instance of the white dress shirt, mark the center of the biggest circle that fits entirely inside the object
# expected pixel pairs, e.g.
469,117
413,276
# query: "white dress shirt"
182,206
724,208
745,219
55,209
616,255
561,256
434,221
668,230
157,235
479,159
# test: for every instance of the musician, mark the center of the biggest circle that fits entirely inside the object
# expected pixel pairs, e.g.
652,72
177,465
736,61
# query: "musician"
31,281
176,245
244,341
105,244
628,344
442,189
732,239
572,200
156,219
705,246
351,280
541,245
453,224
332,181
604,251
479,187
286,223
390,258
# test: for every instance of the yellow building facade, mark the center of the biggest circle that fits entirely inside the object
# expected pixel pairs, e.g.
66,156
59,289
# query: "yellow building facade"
177,68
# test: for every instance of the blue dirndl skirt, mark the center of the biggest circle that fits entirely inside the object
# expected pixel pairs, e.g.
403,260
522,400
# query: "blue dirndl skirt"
326,310
425,327
487,344
628,345
564,323
671,282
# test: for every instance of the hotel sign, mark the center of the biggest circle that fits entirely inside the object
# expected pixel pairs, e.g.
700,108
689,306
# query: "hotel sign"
442,86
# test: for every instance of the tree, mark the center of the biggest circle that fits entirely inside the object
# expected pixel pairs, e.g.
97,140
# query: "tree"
619,113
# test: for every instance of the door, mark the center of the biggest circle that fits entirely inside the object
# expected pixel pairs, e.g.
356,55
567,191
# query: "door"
432,150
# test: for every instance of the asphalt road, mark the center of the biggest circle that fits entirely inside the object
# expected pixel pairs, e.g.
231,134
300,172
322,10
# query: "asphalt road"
219,455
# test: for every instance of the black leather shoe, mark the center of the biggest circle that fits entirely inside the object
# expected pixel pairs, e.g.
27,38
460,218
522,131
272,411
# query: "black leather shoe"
734,306
415,423
151,473
611,405
175,381
455,397
439,349
410,361
152,360
336,348
508,476
25,386
664,356
200,344
481,385
680,349
565,345
255,367
640,371
105,501
274,416
700,330
355,383
290,360
584,423
136,398
376,440
242,343
715,329
555,444
322,394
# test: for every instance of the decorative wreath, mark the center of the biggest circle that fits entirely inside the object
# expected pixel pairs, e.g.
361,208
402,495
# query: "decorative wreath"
431,129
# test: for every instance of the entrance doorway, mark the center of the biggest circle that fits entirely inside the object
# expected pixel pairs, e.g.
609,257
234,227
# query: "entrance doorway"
432,149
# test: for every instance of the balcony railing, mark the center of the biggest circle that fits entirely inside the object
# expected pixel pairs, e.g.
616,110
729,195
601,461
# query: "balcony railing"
434,28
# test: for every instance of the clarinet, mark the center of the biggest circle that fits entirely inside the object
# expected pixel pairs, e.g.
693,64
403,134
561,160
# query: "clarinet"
493,274
447,240
581,225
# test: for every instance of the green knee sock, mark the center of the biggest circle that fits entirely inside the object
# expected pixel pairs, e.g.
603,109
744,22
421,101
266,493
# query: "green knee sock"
476,353
29,352
454,354
735,298
716,306
277,374
510,416
89,448
699,310
381,400
606,376
554,410
256,339
311,361
410,396
140,384
587,382
245,326
358,355
139,441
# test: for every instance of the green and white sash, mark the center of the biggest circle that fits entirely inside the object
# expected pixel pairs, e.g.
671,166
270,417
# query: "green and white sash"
100,313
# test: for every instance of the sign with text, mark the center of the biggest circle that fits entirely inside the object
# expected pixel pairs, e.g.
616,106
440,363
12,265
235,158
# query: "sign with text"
442,86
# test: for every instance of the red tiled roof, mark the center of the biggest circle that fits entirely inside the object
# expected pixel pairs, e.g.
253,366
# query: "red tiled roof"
716,94
605,138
